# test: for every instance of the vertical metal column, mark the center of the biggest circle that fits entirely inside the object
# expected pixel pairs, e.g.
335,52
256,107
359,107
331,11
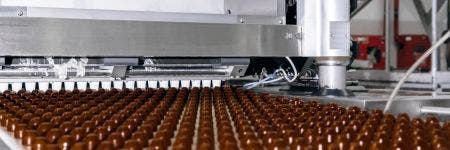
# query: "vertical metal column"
332,76
388,32
326,35
435,55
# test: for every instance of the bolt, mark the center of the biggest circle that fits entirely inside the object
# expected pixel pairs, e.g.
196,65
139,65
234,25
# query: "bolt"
20,13
242,20
228,11
289,36
332,35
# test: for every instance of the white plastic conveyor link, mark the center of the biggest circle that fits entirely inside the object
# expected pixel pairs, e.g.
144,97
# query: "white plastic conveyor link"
130,84
206,83
118,84
69,86
94,85
106,85
56,86
186,83
44,86
216,83
82,86
164,84
153,84
175,83
4,87
17,86
30,86
141,84
196,83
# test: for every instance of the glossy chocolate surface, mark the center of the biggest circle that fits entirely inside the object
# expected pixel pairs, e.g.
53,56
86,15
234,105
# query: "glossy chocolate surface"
204,118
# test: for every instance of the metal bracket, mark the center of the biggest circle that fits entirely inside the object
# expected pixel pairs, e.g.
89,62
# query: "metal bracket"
119,61
119,72
17,11
239,70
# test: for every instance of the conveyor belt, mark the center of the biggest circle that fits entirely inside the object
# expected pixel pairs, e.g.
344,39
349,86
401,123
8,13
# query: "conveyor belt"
219,118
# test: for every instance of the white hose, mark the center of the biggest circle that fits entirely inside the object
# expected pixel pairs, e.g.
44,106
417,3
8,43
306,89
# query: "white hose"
293,68
414,67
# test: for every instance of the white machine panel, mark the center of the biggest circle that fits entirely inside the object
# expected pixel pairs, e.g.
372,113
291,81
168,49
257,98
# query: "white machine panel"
186,6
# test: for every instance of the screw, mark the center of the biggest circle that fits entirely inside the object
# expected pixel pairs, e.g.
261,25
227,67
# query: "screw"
289,36
332,35
242,20
20,13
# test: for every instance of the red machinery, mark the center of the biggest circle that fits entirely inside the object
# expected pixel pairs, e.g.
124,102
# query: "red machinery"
371,51
410,48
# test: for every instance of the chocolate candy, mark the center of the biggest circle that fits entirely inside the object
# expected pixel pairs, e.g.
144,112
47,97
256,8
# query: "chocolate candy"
225,118
39,143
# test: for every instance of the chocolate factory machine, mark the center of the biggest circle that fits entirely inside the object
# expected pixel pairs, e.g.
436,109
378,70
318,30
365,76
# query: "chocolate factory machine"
68,48
222,74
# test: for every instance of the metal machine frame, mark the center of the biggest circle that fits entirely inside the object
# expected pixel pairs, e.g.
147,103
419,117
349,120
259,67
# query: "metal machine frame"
322,32
54,48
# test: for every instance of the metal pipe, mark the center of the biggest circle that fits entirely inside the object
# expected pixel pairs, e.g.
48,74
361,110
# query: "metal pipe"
435,110
448,15
388,17
332,76
326,32
435,55
447,46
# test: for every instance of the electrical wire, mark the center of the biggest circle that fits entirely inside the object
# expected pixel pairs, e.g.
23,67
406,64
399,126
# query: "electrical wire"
293,68
268,79
414,67
273,77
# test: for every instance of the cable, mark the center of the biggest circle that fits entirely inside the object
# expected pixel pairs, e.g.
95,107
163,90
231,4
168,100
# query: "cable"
414,67
293,68
254,84
270,79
